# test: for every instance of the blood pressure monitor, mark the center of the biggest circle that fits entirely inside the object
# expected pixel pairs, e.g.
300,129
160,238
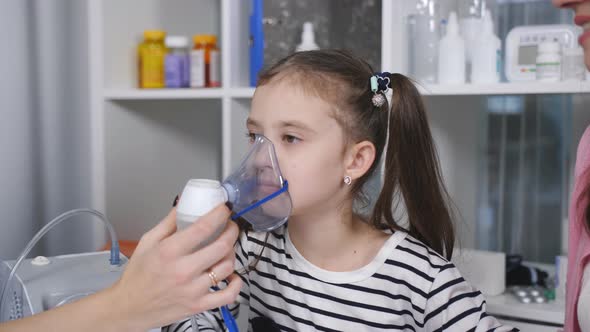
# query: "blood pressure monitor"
521,47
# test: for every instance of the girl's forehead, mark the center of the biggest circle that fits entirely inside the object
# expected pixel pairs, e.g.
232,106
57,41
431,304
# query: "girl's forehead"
280,102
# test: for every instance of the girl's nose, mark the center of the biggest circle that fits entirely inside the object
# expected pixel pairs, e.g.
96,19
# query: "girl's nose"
263,159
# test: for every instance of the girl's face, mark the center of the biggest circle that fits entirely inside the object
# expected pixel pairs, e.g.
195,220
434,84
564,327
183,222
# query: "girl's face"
582,18
308,141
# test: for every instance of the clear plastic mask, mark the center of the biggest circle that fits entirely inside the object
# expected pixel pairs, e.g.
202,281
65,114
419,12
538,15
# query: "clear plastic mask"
257,191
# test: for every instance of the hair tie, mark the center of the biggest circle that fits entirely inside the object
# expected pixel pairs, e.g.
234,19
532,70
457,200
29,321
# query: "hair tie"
379,85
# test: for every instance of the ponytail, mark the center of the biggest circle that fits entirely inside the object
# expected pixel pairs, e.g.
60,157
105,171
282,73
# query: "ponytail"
412,170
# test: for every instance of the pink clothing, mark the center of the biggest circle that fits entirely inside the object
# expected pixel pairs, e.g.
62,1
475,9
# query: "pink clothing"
579,239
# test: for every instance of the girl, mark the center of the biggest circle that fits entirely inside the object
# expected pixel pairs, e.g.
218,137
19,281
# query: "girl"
331,269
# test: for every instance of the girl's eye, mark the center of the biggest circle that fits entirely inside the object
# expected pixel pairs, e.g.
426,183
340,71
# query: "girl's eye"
291,139
251,137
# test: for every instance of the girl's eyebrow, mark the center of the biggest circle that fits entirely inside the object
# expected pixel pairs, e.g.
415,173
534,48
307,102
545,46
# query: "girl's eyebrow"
253,123
297,124
284,124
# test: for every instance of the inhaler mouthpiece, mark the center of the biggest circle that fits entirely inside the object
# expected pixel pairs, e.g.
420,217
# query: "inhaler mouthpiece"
255,191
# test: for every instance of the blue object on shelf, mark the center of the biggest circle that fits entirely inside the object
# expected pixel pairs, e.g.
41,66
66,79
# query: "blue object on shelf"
256,42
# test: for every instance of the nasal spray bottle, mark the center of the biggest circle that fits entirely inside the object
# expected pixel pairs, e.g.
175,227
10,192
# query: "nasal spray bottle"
255,192
451,57
307,39
486,60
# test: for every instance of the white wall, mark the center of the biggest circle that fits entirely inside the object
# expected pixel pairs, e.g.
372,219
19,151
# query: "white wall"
455,129
152,149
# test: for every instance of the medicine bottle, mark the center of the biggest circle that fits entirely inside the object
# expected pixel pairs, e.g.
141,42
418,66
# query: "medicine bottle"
151,53
197,62
212,62
548,63
177,62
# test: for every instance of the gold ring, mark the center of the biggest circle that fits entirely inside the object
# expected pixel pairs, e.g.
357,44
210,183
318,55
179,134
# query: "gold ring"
213,278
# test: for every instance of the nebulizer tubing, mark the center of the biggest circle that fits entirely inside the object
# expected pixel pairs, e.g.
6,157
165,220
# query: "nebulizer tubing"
114,259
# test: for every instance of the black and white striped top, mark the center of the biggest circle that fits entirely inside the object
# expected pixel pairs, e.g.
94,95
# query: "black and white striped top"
406,287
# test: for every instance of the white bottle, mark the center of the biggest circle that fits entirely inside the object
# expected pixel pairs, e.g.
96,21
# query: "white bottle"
548,68
307,39
451,54
471,14
486,54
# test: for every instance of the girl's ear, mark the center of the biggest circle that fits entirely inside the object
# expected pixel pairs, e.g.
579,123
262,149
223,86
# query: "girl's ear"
358,159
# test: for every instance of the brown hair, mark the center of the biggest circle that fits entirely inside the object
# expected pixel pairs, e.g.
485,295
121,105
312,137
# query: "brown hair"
411,163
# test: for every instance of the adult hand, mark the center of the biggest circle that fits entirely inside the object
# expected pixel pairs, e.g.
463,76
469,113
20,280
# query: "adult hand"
166,280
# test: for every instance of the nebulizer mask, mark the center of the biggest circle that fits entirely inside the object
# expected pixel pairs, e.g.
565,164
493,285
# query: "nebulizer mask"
255,192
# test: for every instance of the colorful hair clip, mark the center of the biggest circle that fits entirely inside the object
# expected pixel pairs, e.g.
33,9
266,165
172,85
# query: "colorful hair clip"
379,85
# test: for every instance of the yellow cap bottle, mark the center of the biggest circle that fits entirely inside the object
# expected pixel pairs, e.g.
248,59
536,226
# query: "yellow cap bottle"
151,53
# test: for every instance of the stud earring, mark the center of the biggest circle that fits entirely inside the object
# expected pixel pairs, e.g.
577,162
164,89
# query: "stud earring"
347,180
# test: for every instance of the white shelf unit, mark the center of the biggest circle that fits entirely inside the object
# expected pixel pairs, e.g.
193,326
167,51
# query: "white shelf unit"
199,132
513,88
171,94
528,88
147,143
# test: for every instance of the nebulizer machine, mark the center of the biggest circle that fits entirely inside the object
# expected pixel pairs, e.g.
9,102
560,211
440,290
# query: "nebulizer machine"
255,192
31,286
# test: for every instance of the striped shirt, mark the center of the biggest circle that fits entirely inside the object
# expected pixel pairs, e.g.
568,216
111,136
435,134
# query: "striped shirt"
406,287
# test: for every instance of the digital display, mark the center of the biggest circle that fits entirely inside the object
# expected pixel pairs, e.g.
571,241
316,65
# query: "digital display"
527,55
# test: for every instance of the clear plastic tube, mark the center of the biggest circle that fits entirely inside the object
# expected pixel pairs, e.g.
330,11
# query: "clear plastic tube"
114,259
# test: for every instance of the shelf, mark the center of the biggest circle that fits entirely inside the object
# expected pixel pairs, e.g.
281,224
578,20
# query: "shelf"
171,94
507,305
505,88
242,92
427,90
145,94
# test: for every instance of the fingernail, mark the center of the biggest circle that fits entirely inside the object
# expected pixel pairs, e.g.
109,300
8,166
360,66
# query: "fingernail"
175,201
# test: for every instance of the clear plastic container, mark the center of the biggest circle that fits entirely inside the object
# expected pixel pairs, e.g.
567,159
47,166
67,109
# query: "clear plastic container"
471,13
424,33
572,66
548,68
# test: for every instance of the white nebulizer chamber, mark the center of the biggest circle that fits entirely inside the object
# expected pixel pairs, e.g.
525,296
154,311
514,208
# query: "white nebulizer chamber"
198,197
255,192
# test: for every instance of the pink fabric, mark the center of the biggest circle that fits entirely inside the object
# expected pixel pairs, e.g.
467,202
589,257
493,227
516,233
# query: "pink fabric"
579,239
